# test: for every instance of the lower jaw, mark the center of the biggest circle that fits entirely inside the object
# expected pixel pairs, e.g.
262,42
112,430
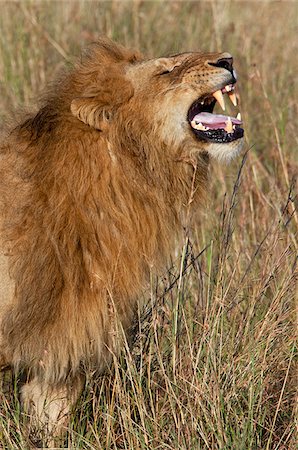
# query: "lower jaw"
225,152
219,136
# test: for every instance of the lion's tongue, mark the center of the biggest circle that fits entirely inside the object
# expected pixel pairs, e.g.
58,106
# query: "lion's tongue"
214,120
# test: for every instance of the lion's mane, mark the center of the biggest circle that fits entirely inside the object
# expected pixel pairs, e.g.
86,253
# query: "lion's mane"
86,213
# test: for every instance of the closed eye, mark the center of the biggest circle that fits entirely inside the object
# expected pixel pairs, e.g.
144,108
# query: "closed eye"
169,70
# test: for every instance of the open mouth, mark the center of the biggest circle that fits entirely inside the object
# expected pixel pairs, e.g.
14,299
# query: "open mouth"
215,127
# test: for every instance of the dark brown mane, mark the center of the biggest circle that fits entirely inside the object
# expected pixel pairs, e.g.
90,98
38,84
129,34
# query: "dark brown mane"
78,229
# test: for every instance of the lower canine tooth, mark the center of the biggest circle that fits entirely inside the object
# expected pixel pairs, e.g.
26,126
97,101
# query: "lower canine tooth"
198,126
219,97
233,98
229,126
238,116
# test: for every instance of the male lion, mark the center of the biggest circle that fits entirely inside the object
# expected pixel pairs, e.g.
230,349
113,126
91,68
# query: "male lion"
95,189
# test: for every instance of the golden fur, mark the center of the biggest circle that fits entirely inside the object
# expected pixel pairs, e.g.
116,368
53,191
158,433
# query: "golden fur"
95,189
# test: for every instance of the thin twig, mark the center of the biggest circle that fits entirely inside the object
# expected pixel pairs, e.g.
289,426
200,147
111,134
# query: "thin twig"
37,25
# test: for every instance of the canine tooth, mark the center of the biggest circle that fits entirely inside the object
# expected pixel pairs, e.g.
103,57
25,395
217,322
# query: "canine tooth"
233,98
219,97
229,126
198,126
238,116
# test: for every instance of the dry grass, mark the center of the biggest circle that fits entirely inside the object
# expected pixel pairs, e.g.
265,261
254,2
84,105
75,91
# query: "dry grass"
214,364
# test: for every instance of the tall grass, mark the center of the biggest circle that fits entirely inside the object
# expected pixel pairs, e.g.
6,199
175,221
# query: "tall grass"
214,363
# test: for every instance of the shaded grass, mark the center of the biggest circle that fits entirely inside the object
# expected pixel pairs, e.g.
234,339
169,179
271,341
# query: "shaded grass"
214,365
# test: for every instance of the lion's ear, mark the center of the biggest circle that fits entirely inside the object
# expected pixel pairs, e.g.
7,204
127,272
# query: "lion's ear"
90,111
98,104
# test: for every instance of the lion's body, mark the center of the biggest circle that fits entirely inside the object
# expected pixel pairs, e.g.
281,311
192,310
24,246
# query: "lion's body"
89,208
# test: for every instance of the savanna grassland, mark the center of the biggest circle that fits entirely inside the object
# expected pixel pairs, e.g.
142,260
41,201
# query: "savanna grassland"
214,365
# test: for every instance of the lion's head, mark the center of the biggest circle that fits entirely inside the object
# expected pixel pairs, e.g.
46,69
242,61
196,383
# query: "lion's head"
174,98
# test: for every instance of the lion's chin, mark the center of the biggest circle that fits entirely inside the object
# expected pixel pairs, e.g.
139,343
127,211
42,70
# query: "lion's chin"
225,152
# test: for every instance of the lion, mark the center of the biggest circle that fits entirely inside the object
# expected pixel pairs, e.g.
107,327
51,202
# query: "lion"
95,190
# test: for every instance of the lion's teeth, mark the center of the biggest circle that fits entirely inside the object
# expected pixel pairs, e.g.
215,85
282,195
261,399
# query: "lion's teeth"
233,98
198,126
219,97
229,126
238,116
229,87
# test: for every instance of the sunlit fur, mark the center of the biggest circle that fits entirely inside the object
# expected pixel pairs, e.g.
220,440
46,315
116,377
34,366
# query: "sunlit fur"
95,189
225,155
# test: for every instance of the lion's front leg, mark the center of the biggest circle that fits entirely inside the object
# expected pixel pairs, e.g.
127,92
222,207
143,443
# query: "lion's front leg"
48,408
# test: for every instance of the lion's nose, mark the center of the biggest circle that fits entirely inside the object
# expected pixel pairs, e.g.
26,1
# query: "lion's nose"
224,62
